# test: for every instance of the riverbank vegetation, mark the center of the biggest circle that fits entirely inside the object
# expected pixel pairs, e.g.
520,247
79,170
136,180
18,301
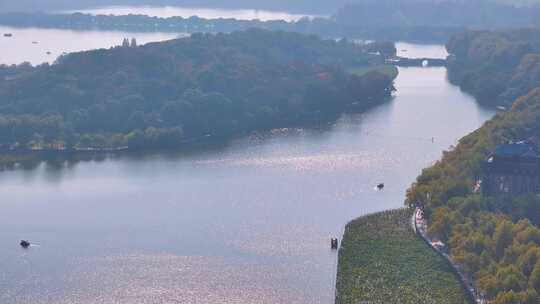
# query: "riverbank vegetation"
386,69
171,94
496,67
497,240
382,260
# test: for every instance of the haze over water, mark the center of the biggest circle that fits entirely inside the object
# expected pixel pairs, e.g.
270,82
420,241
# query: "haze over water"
37,45
186,12
248,223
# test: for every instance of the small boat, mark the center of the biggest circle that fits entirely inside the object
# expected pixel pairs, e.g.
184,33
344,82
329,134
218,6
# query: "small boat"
334,244
25,244
380,186
501,108
8,35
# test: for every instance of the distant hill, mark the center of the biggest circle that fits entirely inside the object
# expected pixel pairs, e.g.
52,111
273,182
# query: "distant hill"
480,14
520,2
496,67
324,7
412,20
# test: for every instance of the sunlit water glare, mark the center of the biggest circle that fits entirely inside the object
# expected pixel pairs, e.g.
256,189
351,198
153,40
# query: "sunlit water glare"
248,223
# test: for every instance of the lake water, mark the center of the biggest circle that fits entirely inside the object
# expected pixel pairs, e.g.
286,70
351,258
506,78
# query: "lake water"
410,50
186,12
250,222
21,46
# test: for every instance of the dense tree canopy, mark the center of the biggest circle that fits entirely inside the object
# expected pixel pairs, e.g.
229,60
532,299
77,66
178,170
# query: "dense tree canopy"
478,14
175,92
496,67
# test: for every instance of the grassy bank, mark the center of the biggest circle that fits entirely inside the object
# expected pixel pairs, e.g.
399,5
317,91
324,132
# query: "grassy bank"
386,69
382,260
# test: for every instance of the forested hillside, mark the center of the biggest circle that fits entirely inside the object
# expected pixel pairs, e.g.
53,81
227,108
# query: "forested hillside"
479,14
496,67
172,93
497,240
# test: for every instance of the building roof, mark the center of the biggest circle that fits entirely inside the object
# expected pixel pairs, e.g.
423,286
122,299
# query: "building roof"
519,149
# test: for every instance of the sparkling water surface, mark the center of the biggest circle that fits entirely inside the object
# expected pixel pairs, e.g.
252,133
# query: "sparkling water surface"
249,222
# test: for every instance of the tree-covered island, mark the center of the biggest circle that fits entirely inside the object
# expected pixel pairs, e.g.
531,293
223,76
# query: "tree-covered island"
171,94
495,66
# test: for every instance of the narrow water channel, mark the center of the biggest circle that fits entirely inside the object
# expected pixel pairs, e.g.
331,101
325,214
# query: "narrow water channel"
248,223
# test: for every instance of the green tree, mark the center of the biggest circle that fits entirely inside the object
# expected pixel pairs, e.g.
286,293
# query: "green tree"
502,238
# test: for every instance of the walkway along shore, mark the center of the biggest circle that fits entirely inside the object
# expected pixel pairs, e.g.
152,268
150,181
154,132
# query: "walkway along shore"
419,225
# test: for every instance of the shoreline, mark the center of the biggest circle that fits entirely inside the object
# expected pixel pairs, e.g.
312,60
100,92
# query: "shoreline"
14,157
421,231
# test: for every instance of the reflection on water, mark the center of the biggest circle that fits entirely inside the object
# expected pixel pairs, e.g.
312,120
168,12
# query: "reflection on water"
247,223
45,45
186,12
411,50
